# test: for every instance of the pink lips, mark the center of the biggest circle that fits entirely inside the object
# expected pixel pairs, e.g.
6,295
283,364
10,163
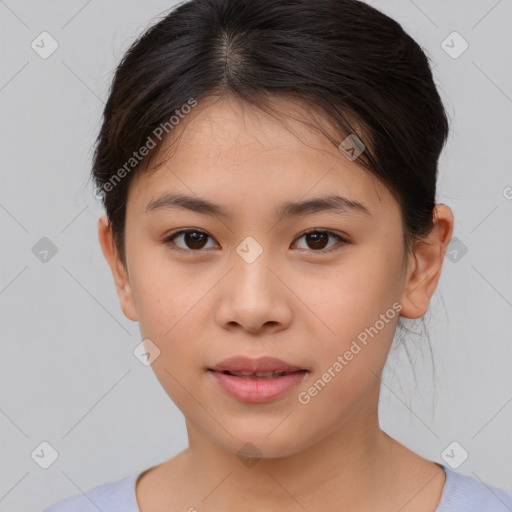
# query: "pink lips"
229,375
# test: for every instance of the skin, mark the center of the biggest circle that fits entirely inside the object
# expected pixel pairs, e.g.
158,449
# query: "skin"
292,302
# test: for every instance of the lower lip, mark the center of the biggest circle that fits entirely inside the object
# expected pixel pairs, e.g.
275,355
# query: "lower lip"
257,390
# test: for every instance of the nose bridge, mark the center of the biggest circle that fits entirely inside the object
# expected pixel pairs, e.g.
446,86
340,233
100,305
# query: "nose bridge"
251,272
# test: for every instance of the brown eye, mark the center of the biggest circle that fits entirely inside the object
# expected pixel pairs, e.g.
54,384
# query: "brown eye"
317,240
191,239
195,238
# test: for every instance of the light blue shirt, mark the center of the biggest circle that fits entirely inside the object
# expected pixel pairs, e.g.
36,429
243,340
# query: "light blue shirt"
460,494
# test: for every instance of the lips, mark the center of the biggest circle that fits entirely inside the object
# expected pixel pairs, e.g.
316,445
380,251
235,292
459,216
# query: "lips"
257,380
263,367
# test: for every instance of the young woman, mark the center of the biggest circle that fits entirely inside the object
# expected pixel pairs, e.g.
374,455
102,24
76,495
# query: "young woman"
268,170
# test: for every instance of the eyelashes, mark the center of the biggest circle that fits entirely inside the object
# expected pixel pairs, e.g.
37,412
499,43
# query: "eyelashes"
170,239
193,240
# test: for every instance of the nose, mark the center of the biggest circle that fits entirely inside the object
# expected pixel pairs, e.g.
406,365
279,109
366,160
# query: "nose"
253,297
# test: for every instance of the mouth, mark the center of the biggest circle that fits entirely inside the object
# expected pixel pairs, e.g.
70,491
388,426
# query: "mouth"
256,380
261,367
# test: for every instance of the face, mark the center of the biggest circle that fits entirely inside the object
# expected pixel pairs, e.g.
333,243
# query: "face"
319,288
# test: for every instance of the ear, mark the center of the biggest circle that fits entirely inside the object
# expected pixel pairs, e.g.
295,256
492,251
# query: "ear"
119,272
425,263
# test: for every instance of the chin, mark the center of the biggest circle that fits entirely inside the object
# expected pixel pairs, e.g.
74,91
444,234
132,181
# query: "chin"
263,446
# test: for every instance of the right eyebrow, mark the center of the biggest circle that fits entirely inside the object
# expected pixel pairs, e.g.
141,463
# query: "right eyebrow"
195,204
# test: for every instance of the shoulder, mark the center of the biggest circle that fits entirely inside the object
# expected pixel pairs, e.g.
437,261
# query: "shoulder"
467,494
117,496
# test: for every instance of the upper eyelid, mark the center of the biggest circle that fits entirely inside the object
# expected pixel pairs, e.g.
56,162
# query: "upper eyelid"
198,230
187,230
169,238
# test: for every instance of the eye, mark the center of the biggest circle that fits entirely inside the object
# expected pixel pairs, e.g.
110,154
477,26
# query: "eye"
317,240
194,240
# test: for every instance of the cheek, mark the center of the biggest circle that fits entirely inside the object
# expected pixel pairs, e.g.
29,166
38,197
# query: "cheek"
164,294
355,294
346,370
172,313
359,304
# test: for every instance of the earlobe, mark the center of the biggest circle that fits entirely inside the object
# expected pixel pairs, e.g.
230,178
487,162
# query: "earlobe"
119,272
425,264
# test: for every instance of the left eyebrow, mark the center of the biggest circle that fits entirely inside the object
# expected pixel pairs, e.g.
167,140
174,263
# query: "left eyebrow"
337,204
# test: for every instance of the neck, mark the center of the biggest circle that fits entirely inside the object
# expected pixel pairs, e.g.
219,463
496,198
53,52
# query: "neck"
350,465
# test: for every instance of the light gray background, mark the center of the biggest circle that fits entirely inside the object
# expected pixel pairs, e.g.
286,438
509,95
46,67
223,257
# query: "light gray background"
68,374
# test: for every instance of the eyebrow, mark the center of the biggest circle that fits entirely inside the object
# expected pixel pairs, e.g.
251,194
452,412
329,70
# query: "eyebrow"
337,204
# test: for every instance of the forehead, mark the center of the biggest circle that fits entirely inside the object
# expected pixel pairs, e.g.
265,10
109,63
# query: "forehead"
233,152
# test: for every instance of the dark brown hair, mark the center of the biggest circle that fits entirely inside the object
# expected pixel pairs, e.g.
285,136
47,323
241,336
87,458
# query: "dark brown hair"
350,63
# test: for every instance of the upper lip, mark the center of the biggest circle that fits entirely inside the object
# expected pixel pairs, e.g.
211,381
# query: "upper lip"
261,364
